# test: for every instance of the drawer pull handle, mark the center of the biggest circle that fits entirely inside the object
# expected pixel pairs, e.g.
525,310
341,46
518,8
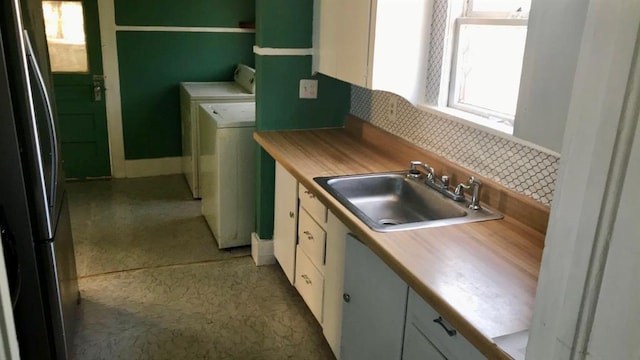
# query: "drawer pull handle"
309,236
306,279
311,196
291,214
450,332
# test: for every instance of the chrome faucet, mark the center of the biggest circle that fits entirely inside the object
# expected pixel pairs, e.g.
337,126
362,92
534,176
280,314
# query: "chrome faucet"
475,194
415,173
439,184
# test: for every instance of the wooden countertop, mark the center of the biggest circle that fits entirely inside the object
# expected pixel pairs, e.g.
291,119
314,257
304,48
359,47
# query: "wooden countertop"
481,276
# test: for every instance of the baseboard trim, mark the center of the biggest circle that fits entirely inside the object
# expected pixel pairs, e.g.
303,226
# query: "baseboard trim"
262,251
152,167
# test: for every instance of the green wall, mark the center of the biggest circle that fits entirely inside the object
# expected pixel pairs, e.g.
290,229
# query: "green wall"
284,23
152,64
287,24
216,13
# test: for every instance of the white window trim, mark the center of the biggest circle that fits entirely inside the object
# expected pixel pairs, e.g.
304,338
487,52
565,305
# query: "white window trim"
460,112
453,87
468,12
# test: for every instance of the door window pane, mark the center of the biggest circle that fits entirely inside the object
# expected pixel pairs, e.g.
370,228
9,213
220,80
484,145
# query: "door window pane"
64,23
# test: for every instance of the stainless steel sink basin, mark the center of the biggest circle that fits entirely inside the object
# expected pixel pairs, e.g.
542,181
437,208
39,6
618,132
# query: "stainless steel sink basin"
393,202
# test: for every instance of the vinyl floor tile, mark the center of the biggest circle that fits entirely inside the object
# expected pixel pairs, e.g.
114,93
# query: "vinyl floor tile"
227,309
155,286
136,223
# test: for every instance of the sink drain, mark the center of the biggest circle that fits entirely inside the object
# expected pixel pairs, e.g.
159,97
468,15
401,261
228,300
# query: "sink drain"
389,222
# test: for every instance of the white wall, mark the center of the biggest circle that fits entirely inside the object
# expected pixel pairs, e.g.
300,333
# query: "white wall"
583,308
616,325
550,60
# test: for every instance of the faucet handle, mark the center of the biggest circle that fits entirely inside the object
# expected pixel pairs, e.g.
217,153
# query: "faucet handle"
473,181
415,164
460,189
445,181
413,170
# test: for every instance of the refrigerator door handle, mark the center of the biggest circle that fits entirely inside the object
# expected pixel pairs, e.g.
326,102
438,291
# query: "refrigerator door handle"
51,198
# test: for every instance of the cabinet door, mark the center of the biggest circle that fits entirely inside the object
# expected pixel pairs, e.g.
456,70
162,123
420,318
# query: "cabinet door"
374,307
417,346
334,282
285,221
353,42
450,345
326,28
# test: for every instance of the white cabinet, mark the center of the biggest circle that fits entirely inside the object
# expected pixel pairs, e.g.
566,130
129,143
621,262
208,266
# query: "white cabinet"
311,250
375,300
366,310
309,244
309,283
426,332
377,44
285,221
311,237
417,346
342,39
384,319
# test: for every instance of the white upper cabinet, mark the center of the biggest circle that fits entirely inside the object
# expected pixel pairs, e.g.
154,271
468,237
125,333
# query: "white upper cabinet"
376,44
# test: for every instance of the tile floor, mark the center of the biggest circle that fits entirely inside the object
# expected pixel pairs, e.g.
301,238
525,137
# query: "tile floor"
155,286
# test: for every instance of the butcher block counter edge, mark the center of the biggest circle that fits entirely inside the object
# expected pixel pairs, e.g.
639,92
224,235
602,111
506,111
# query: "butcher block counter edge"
481,277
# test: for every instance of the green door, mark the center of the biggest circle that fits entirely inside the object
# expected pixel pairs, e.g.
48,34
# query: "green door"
73,37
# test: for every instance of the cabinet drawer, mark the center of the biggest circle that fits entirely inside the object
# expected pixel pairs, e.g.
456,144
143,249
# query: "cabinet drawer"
310,283
314,207
311,238
422,316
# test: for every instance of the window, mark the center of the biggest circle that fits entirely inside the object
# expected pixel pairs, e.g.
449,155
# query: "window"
64,25
487,57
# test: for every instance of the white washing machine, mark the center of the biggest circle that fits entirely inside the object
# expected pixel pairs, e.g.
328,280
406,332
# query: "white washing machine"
227,171
192,94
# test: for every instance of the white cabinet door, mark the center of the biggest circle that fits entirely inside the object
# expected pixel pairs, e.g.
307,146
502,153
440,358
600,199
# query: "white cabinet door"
285,221
309,283
342,39
375,301
334,282
435,331
377,44
353,41
326,28
417,346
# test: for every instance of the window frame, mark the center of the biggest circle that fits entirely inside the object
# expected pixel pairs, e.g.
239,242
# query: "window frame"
470,17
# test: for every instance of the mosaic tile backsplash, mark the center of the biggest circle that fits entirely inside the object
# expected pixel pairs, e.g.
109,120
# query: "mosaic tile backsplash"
514,165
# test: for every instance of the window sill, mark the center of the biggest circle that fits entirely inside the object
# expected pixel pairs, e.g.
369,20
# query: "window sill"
469,119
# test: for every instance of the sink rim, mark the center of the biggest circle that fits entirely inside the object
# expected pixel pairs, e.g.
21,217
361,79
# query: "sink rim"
485,214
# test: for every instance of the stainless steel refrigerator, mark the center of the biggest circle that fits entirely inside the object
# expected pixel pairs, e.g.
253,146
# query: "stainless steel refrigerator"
34,215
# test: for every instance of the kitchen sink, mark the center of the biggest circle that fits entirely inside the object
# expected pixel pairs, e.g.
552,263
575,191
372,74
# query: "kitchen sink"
393,201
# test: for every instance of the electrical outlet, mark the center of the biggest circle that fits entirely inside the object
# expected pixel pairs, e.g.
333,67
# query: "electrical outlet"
308,89
392,109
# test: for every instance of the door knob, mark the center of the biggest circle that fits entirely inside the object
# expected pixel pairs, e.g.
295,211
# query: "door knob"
97,92
97,87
